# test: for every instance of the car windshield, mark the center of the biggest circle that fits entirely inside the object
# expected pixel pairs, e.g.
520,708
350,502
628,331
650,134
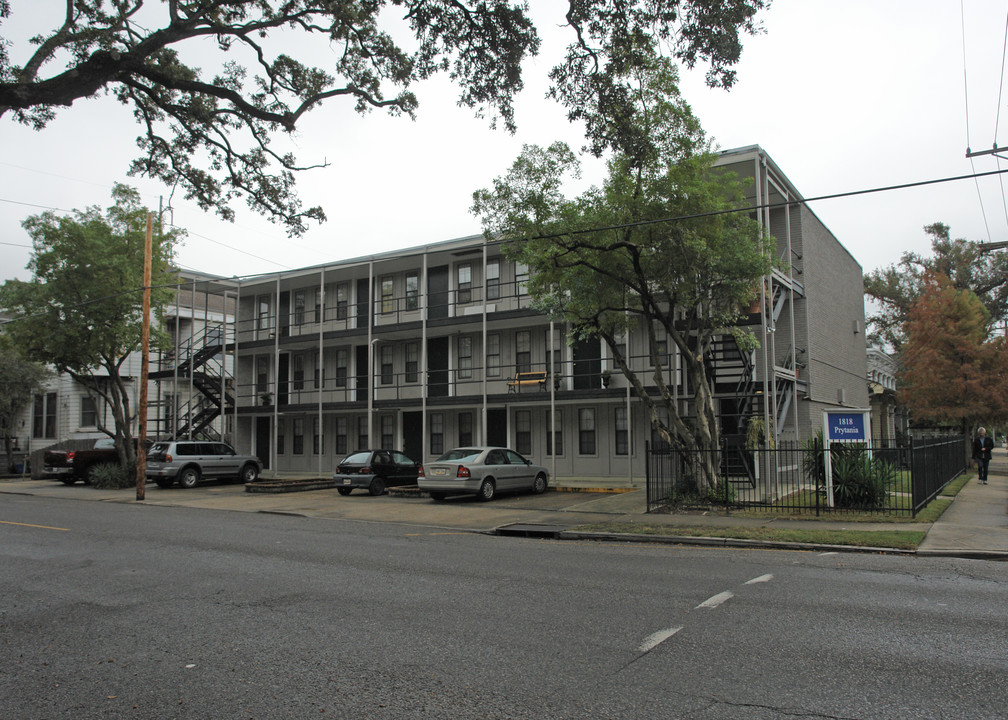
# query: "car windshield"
460,454
104,443
359,458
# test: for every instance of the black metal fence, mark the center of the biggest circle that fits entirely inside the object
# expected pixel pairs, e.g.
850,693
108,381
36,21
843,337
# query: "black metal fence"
879,478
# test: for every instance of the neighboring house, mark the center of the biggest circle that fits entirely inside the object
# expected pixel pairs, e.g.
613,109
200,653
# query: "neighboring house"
889,421
64,413
418,350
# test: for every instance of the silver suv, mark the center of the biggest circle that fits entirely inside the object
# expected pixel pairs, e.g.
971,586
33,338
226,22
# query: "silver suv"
189,460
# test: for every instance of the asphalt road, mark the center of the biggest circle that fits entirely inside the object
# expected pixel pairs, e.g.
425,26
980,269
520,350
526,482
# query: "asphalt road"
112,610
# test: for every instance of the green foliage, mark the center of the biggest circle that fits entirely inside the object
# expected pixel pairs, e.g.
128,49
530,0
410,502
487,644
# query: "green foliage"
20,378
110,476
859,480
82,310
212,134
611,261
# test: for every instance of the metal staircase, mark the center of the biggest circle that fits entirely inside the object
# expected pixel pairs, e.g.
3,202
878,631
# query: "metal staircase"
199,363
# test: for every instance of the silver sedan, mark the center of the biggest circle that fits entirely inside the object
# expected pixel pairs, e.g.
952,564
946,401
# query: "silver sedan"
483,471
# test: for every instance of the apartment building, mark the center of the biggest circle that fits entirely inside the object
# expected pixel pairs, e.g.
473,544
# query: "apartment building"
432,347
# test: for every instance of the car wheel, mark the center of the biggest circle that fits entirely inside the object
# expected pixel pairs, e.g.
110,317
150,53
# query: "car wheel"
437,496
249,473
344,491
189,477
539,485
487,490
377,487
69,480
164,482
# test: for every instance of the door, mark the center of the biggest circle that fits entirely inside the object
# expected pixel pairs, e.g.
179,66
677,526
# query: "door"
284,315
413,435
588,365
437,367
497,427
361,370
363,302
263,437
437,292
283,379
522,470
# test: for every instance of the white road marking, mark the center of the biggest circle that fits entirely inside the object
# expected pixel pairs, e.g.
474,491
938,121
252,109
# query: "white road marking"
713,602
653,641
760,579
827,554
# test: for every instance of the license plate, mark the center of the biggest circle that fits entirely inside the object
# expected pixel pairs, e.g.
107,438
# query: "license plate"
346,481
440,471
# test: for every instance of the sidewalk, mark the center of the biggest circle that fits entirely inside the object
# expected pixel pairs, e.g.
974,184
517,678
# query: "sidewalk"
975,526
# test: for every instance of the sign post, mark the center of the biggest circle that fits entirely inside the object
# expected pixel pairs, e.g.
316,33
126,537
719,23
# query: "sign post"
843,426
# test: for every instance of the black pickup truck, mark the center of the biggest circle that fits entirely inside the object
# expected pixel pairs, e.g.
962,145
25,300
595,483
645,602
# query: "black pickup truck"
73,465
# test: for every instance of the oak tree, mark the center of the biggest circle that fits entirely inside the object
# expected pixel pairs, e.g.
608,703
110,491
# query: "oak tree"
211,132
81,312
658,247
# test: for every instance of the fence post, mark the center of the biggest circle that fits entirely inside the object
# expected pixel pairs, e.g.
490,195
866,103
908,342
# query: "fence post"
913,479
818,456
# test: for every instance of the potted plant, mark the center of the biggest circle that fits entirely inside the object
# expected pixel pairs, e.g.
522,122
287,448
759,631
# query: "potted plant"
266,398
606,377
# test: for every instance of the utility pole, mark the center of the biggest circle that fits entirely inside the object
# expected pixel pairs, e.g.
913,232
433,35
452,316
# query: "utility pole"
141,453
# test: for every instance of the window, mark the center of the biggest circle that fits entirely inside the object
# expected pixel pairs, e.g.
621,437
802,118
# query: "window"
493,359
263,313
262,373
319,371
412,291
622,431
521,278
388,432
493,280
465,350
342,301
465,283
298,314
523,432
318,305
523,352
412,361
281,432
341,367
341,436
88,412
362,434
557,434
387,374
317,443
586,431
298,445
662,353
465,428
436,433
299,372
44,416
387,296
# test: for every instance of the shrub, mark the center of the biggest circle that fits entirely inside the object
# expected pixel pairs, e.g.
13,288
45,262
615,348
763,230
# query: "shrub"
111,476
860,481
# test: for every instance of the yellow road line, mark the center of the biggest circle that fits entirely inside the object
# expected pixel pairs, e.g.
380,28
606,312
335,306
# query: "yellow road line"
43,527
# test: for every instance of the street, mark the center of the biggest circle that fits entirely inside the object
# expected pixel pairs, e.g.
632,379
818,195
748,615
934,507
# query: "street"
113,610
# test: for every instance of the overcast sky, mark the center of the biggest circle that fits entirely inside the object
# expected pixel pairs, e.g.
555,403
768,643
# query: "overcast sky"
843,96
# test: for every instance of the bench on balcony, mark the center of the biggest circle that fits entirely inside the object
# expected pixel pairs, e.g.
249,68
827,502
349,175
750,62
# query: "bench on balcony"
534,377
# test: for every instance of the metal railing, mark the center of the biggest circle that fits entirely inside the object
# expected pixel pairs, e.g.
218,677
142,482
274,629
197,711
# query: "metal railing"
882,478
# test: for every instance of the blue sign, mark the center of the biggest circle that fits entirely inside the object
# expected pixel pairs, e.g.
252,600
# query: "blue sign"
845,426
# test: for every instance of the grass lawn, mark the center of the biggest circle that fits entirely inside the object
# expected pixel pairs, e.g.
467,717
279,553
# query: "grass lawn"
900,539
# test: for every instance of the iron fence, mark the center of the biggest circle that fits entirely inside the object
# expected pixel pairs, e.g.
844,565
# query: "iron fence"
881,477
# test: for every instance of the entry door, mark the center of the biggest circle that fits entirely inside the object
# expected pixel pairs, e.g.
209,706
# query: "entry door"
283,379
361,369
497,427
437,367
263,437
437,292
588,365
363,303
413,435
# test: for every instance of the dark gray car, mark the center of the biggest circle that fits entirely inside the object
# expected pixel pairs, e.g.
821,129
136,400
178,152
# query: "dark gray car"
187,461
